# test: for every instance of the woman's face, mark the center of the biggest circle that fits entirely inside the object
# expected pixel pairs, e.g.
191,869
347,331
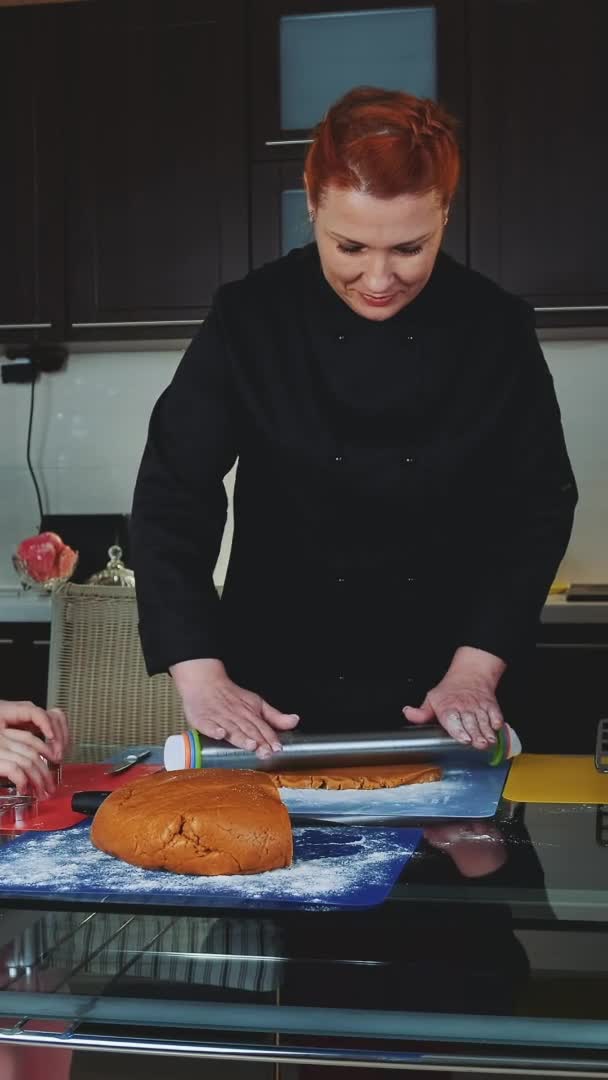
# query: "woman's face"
378,254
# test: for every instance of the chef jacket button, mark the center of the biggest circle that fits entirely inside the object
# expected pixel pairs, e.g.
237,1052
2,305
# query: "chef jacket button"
340,580
341,337
410,460
410,337
410,680
410,580
340,678
339,459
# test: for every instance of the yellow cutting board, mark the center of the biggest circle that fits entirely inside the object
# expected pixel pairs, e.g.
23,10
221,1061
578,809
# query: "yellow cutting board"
555,778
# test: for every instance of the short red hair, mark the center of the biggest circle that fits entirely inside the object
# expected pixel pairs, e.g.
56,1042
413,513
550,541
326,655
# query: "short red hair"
386,143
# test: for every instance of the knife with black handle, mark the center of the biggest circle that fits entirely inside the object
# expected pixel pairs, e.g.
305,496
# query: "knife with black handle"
88,802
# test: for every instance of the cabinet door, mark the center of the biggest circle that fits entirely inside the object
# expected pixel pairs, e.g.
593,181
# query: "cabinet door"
8,664
36,654
279,221
539,153
31,176
571,693
158,195
24,661
306,54
556,703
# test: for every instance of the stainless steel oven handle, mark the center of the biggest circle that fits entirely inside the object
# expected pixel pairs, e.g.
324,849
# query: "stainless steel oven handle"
574,307
288,142
135,323
594,646
26,326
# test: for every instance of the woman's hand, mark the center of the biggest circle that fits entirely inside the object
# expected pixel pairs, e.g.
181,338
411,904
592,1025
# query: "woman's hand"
464,702
217,707
21,750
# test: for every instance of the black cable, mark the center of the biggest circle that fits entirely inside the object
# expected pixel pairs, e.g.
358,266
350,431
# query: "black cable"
29,446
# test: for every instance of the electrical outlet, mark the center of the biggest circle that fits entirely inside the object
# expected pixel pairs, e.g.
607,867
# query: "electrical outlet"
19,371
46,358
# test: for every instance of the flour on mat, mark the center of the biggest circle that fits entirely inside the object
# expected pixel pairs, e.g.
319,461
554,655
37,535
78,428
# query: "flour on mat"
415,799
67,863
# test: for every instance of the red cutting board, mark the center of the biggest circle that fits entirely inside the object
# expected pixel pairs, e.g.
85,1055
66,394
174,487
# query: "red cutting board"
56,812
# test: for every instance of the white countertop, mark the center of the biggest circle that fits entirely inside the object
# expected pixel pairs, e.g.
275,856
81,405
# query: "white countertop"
24,606
18,605
559,610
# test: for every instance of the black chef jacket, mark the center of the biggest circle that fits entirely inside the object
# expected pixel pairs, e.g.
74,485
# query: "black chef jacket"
402,489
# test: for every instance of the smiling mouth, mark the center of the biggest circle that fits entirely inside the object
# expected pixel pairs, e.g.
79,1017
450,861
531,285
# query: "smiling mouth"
378,299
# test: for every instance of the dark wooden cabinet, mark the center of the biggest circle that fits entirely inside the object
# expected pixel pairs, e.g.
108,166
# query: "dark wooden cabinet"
31,176
24,661
156,136
556,703
158,191
539,153
270,235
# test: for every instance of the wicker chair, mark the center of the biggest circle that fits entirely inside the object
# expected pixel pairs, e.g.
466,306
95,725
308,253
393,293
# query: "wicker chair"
97,672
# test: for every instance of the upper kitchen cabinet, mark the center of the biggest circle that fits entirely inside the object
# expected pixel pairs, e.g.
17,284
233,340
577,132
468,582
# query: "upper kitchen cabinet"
539,153
158,180
304,55
31,176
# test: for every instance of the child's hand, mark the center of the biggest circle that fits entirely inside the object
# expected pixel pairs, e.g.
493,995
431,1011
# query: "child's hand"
21,750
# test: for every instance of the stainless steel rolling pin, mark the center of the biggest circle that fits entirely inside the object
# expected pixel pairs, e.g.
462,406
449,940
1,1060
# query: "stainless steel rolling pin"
190,750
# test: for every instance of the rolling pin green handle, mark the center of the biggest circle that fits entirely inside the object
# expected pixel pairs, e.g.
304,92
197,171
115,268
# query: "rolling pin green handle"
499,752
507,746
88,802
198,750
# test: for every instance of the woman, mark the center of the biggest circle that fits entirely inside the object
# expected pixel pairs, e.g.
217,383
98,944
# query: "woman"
22,750
403,496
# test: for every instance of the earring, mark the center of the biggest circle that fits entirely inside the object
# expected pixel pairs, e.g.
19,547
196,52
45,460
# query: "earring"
311,217
445,220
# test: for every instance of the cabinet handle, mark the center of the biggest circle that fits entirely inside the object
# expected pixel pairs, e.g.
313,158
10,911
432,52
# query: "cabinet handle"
136,323
575,307
7,641
597,646
287,142
41,642
26,326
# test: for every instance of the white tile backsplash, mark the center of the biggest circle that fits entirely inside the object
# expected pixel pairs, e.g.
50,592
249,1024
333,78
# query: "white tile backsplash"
580,372
90,426
18,513
91,421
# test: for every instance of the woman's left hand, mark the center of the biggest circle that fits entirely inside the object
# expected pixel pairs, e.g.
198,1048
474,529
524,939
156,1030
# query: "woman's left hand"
464,702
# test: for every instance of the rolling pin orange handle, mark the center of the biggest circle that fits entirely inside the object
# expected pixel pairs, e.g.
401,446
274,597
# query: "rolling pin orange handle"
88,802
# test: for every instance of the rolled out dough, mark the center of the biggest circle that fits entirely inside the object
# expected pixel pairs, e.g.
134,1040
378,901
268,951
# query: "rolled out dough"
359,777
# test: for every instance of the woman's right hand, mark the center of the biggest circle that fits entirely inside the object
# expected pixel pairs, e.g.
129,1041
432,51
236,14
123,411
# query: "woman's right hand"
219,708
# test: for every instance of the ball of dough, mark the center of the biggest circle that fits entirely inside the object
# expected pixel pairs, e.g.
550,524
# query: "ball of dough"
192,821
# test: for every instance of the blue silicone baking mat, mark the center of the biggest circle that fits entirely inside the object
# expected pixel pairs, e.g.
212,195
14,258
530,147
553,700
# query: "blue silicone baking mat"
334,867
